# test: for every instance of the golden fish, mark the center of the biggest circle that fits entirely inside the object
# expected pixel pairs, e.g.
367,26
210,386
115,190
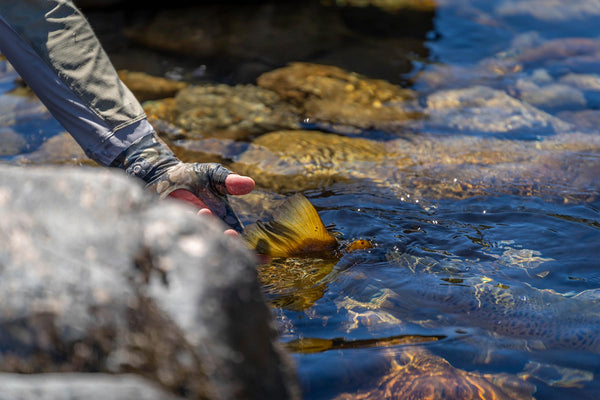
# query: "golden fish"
295,229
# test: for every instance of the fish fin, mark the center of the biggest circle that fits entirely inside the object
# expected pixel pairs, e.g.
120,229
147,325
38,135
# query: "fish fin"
295,229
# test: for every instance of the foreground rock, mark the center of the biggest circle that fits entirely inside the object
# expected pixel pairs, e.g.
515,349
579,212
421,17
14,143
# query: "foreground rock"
80,386
97,276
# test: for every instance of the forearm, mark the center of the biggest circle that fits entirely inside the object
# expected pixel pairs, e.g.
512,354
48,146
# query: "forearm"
53,48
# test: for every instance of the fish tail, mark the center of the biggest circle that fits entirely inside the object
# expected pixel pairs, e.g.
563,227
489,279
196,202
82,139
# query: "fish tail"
295,229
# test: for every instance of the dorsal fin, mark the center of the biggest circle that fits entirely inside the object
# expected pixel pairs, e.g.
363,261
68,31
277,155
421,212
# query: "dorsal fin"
295,229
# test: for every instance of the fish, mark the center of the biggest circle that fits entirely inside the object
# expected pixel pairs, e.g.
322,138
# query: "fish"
295,229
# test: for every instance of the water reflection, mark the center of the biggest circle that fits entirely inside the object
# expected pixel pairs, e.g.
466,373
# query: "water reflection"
453,266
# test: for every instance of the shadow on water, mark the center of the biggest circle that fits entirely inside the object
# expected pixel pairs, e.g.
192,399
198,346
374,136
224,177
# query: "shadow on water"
242,39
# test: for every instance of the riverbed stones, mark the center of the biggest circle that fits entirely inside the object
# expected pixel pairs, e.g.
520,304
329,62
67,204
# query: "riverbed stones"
58,149
332,95
285,98
147,87
224,111
11,142
484,110
416,373
99,276
299,160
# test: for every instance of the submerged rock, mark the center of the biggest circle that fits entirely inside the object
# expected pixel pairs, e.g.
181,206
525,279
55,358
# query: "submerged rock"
281,31
11,143
147,87
58,149
416,373
328,94
559,168
484,110
560,55
238,41
551,96
585,120
224,111
99,276
391,6
299,160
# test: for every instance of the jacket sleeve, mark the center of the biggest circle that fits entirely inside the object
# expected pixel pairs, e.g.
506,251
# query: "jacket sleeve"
54,49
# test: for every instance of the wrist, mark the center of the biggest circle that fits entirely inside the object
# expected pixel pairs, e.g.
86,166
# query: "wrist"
147,158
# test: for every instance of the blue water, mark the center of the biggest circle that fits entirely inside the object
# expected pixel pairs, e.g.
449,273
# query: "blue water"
542,252
458,245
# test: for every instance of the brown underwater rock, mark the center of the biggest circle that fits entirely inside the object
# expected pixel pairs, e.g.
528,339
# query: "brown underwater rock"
300,160
332,95
224,111
147,87
415,373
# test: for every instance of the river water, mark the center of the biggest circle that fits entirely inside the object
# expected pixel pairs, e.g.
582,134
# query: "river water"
484,217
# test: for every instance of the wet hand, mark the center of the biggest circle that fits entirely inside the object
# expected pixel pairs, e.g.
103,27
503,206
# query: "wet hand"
235,185
203,185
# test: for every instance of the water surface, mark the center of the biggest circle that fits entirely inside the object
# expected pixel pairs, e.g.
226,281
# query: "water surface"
500,277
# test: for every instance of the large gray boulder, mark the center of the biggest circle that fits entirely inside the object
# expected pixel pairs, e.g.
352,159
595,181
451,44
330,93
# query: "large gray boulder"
79,386
96,275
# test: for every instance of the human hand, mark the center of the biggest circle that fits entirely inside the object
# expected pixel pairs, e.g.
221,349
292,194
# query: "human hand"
235,185
203,185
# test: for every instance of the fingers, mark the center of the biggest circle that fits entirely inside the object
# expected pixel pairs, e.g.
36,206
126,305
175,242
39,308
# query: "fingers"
238,184
231,232
205,211
210,203
188,197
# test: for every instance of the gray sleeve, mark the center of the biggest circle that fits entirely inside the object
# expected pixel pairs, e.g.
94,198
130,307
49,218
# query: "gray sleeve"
54,49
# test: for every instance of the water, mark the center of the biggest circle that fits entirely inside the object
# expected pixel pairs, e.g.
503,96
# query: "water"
498,280
502,280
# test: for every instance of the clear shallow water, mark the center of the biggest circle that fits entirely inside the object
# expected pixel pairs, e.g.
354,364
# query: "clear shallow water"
498,284
495,278
508,283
